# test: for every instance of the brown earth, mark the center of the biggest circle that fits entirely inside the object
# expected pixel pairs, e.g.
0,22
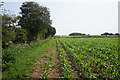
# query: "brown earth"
55,68
39,67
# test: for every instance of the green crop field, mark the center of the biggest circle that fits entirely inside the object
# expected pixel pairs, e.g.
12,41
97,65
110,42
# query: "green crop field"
64,58
96,57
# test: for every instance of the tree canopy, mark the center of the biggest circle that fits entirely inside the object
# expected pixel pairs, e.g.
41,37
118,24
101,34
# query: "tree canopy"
35,19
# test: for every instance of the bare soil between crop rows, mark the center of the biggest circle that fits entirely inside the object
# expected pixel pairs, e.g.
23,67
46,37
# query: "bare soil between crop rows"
77,73
39,67
57,71
55,68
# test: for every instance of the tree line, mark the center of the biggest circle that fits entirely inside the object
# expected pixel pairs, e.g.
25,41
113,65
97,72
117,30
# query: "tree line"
78,34
32,24
106,33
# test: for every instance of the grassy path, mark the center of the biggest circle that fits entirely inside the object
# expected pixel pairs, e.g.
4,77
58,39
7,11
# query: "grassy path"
54,69
39,66
23,58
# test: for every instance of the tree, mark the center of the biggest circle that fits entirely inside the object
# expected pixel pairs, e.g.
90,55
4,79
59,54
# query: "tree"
117,34
110,33
21,35
34,19
76,34
10,31
51,31
7,30
106,33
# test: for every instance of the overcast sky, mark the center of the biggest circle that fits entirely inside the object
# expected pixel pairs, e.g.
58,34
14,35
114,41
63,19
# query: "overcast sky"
84,16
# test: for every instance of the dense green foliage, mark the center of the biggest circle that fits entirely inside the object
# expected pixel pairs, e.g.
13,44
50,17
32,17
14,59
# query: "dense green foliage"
36,20
11,33
33,24
51,32
96,57
21,35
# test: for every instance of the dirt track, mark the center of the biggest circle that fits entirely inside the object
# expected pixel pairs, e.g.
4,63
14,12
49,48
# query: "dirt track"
55,66
39,67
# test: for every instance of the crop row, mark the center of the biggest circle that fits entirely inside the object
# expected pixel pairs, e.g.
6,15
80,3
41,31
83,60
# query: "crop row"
65,62
96,58
46,72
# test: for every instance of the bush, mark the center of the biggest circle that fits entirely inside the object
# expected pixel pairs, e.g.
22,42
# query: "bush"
21,35
8,36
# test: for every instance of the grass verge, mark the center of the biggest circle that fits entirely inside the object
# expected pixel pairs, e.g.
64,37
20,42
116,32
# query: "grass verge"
19,58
